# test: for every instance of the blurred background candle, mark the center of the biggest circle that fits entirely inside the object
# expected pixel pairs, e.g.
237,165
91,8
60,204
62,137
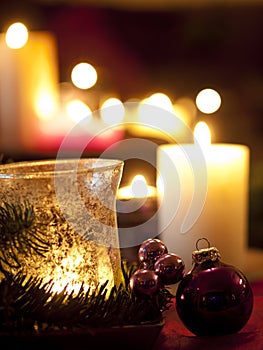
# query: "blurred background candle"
137,189
223,209
28,85
136,209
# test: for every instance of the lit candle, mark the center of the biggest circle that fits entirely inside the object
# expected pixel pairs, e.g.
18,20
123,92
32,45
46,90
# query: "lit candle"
155,117
137,189
28,89
136,214
74,240
203,192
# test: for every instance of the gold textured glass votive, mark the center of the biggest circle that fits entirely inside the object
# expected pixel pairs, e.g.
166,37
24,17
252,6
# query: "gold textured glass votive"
63,220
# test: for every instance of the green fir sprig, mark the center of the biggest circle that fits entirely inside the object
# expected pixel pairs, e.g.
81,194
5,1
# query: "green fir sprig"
27,304
20,234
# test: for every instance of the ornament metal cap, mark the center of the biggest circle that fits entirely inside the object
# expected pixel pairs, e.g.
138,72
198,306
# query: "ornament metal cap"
205,254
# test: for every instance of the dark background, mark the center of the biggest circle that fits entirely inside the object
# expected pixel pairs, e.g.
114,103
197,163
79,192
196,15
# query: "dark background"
179,50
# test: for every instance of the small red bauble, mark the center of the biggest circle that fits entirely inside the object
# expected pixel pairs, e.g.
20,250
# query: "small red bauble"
150,250
144,282
170,268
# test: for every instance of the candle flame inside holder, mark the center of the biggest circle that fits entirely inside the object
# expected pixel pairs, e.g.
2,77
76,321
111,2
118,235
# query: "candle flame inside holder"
74,217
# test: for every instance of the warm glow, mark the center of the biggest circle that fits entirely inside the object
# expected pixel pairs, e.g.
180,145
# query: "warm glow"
67,275
84,75
159,186
160,120
185,109
160,100
139,186
202,134
208,101
112,111
137,189
16,35
78,110
45,106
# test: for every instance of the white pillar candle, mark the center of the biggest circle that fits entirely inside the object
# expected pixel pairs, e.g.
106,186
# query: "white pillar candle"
28,89
203,192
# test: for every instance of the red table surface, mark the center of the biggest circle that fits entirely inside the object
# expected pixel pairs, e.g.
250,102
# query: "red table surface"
175,336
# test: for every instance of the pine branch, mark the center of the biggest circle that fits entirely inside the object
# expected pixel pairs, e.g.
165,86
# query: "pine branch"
20,233
26,303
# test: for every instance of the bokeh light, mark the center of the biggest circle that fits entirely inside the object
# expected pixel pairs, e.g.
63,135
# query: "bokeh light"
77,110
45,105
16,35
208,101
112,111
160,118
84,75
160,100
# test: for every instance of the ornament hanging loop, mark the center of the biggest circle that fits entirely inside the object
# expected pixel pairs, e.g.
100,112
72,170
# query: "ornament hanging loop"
201,255
202,239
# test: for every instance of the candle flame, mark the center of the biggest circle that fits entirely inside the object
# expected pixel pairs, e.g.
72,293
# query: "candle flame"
202,134
139,186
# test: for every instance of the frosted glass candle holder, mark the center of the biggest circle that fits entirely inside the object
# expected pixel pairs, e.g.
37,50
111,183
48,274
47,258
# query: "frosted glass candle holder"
73,237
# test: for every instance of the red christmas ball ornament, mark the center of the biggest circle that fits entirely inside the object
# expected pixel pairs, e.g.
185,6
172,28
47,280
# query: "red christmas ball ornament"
213,298
170,268
144,282
150,250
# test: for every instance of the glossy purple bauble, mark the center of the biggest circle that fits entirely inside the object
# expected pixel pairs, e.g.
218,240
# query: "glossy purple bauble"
214,299
150,250
144,282
170,268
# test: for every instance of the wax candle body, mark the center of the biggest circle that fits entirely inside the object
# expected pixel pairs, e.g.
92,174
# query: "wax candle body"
220,214
28,89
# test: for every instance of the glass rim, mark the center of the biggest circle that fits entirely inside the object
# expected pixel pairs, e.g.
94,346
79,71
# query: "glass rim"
36,168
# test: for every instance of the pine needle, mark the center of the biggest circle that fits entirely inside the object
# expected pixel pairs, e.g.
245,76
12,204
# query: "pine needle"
27,304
